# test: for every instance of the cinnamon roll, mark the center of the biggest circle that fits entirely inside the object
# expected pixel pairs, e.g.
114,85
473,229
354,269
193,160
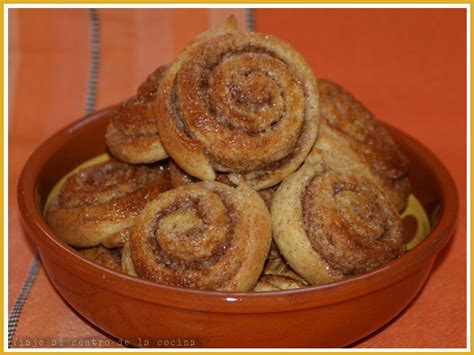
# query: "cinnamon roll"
132,135
100,202
330,223
241,103
110,258
349,130
204,235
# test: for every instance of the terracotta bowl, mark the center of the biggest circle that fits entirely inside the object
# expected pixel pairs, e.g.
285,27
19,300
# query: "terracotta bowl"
147,314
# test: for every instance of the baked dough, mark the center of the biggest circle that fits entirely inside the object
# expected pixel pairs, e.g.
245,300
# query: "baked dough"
241,103
131,134
350,132
331,223
100,202
204,235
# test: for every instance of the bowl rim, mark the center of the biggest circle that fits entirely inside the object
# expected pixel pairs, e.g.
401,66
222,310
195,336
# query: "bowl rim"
229,302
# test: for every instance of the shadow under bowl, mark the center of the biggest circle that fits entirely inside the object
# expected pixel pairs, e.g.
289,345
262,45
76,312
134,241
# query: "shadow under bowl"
136,310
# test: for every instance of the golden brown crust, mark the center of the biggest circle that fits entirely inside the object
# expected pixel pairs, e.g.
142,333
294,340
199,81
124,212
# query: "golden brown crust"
147,90
330,223
127,261
243,103
110,258
277,265
103,200
204,235
132,135
277,283
350,131
178,176
278,275
117,240
267,195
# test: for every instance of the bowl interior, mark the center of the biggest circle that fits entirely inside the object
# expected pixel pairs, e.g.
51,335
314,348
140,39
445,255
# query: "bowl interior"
84,139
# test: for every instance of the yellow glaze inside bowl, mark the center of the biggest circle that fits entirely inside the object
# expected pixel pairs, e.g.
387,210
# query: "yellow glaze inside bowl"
423,227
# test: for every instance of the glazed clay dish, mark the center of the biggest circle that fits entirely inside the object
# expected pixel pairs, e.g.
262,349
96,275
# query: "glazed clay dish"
328,299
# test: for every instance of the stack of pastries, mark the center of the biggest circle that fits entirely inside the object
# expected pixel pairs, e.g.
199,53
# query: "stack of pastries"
233,169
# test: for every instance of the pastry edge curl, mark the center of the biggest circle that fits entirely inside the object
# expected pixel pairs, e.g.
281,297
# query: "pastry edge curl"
197,164
190,154
310,265
257,222
289,230
115,217
125,147
330,142
270,282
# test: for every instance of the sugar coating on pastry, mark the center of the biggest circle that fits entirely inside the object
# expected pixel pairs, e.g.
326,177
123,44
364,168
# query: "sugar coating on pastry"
204,235
350,132
131,134
241,103
101,201
179,178
330,223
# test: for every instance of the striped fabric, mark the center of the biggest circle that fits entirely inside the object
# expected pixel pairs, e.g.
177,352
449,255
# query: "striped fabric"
94,60
18,306
90,105
407,65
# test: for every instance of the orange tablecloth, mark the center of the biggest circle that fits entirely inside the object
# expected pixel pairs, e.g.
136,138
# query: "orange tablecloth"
407,65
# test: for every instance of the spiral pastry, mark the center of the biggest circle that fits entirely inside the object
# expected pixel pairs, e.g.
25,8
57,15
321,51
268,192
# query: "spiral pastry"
101,201
330,223
110,258
205,235
349,130
132,135
242,103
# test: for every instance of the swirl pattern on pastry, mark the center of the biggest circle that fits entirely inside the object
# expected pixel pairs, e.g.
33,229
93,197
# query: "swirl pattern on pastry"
102,201
243,103
205,235
330,223
132,135
349,130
